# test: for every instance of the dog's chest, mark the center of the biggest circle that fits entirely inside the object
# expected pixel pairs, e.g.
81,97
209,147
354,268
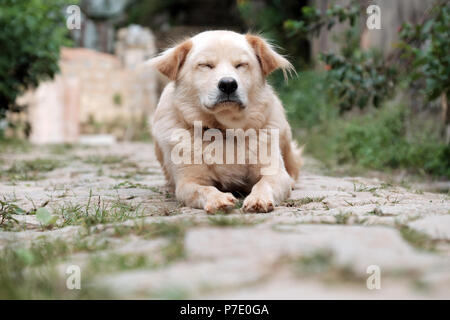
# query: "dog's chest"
230,178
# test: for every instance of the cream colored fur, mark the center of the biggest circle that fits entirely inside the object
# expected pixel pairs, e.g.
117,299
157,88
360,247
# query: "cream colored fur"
194,67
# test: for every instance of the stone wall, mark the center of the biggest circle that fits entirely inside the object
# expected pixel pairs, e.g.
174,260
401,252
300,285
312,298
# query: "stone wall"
96,91
109,90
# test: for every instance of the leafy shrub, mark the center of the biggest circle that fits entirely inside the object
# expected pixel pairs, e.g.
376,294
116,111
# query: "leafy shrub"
31,33
360,80
428,55
387,137
305,100
380,139
363,79
390,137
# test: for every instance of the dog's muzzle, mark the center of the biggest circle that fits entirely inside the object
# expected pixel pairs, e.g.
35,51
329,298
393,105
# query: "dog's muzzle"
232,99
228,93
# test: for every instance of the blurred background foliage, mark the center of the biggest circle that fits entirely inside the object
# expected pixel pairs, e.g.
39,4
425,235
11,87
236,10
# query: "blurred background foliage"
31,34
358,106
352,108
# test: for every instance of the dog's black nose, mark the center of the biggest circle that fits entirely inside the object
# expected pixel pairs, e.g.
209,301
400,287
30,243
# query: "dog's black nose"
228,85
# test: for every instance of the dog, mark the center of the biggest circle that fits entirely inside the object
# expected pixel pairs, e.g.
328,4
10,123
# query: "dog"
218,79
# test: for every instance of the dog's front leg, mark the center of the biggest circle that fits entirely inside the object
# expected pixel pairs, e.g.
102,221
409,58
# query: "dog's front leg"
268,192
198,193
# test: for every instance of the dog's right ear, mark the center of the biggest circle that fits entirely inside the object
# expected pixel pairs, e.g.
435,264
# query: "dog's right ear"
170,61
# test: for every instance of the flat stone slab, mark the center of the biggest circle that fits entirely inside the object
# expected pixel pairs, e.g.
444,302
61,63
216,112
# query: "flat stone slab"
437,227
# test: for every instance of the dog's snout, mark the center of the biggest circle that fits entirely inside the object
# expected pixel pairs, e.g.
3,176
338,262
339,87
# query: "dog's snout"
228,85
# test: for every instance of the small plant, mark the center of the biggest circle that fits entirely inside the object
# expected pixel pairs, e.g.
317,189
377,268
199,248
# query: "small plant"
315,263
343,217
98,212
322,263
45,218
164,193
117,99
302,201
7,210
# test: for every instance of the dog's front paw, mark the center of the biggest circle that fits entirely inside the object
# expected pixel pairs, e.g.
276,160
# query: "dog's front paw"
258,203
220,201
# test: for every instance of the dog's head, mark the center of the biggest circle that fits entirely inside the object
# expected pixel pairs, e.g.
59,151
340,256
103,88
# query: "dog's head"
221,69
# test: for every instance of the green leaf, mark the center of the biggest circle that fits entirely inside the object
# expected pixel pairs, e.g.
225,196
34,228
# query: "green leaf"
53,220
18,210
25,255
45,217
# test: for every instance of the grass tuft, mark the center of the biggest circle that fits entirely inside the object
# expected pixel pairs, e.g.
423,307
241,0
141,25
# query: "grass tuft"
7,210
322,263
225,221
417,239
104,160
301,202
28,170
97,211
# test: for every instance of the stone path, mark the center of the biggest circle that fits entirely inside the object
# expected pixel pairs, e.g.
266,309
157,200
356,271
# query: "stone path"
115,220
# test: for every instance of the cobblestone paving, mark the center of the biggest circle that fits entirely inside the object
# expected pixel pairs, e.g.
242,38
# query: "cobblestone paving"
107,211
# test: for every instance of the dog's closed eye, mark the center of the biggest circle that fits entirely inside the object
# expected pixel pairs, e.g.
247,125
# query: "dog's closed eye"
241,65
206,65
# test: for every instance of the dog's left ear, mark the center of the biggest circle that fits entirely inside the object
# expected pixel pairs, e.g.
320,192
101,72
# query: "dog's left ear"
169,63
268,58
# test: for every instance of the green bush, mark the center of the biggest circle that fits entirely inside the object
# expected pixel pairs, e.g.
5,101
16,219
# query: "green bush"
428,55
305,100
364,78
381,139
31,33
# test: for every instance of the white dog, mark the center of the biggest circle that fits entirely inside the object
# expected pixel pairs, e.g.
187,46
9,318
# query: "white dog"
218,78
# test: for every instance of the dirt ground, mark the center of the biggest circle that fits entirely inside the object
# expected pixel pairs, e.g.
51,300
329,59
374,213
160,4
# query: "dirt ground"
106,211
